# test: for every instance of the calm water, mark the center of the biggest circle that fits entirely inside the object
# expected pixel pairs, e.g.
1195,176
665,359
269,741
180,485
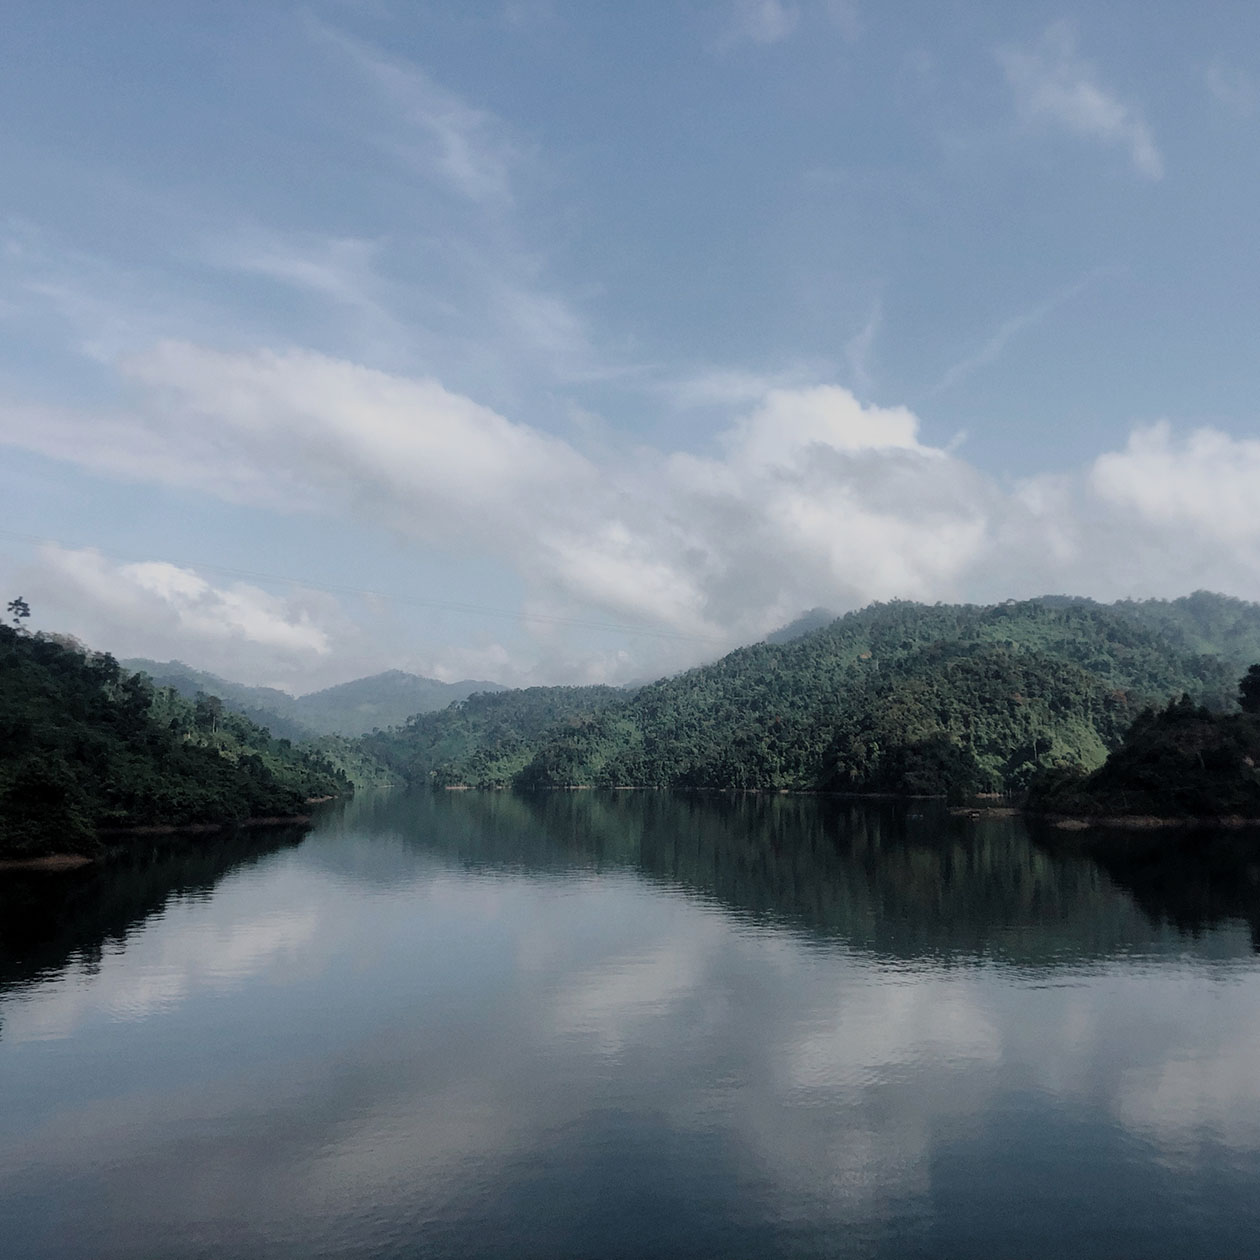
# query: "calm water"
632,1025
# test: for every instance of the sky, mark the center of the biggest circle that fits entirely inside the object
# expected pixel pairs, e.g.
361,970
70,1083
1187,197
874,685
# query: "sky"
576,342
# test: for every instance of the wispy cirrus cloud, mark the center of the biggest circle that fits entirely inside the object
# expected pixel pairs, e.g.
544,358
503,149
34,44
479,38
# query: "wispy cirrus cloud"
766,22
1005,333
1233,88
1054,86
471,149
759,22
859,349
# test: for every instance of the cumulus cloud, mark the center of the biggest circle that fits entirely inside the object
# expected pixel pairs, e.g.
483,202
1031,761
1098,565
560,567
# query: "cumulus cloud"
1053,85
1205,483
807,497
807,484
146,608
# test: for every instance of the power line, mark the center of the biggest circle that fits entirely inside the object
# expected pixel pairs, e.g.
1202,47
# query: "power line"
445,605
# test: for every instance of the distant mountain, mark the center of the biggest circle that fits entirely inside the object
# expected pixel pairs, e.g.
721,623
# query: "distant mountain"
276,710
381,701
352,708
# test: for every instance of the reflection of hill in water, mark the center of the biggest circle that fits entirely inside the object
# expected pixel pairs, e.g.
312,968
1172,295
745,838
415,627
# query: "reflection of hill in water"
49,919
905,881
1192,878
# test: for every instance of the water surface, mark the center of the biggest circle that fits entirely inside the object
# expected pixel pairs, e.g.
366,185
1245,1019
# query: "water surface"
632,1025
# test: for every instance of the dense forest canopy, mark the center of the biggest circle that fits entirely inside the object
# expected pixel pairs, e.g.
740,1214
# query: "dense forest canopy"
898,697
1182,761
86,745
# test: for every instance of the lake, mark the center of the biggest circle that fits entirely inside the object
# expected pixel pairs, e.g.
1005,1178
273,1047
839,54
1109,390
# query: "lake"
633,1024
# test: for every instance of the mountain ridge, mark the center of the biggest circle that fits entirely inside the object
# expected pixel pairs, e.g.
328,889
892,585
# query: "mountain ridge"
897,697
349,709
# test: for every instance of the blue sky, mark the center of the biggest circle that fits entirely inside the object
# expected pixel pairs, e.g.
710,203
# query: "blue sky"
554,342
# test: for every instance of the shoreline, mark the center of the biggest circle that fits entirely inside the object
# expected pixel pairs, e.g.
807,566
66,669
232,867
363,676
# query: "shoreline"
49,862
975,813
1142,822
110,836
180,829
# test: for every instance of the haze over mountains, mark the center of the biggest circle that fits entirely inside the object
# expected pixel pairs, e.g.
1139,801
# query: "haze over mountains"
352,708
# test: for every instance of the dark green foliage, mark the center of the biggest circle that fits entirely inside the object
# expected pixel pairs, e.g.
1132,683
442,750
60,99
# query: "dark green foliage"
19,610
1182,761
899,697
350,758
85,746
265,706
490,737
1249,691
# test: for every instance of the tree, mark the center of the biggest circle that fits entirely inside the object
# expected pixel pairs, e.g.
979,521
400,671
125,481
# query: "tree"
207,712
1249,690
19,610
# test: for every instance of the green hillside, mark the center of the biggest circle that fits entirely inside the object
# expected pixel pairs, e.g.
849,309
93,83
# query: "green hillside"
1182,761
898,697
487,739
266,706
86,746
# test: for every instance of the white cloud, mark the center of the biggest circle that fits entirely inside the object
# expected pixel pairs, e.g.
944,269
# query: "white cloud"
729,388
1233,88
792,421
759,22
1053,85
804,491
1205,483
153,608
807,498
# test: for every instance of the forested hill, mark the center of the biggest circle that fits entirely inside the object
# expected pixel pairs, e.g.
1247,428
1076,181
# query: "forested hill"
351,708
85,745
1180,762
898,697
265,706
488,739
1214,625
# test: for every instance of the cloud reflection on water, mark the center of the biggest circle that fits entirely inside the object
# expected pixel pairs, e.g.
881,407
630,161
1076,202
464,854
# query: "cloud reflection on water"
391,1035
